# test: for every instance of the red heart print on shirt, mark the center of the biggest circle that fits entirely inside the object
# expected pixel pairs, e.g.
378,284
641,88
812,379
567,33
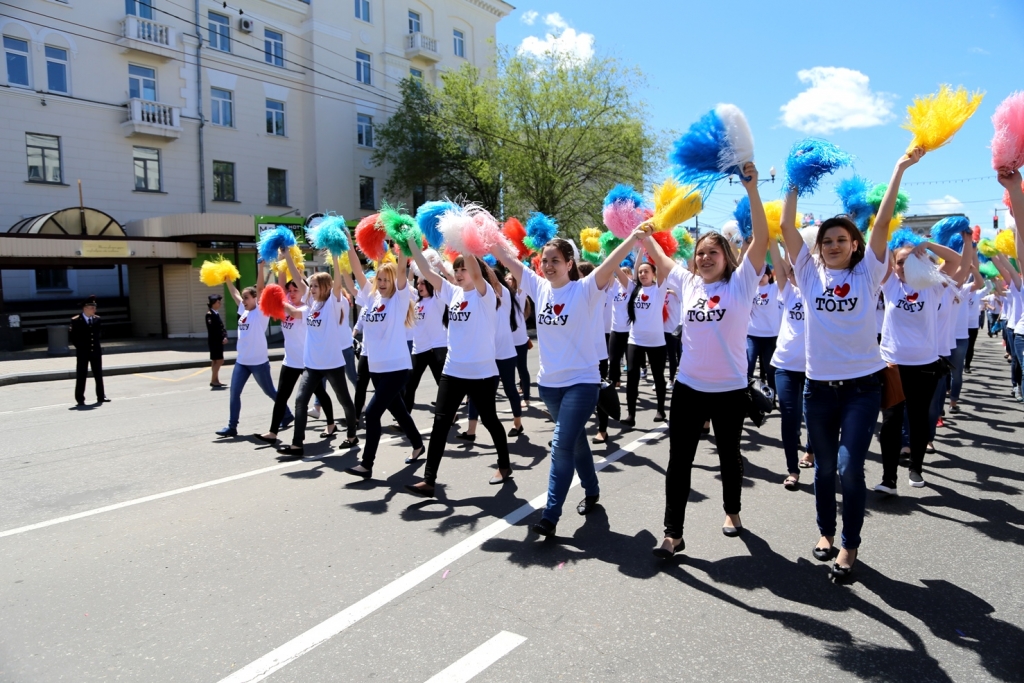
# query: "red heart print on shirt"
713,301
316,314
842,290
379,308
911,298
463,305
764,296
557,308
644,297
243,318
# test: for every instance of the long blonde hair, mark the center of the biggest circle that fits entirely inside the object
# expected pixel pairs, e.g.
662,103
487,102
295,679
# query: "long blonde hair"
324,283
392,271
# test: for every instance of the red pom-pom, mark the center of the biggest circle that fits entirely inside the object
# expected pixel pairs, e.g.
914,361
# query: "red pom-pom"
515,232
370,238
272,302
535,262
667,242
450,254
976,234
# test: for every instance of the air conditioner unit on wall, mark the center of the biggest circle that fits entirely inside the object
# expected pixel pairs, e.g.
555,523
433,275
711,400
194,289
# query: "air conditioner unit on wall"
246,24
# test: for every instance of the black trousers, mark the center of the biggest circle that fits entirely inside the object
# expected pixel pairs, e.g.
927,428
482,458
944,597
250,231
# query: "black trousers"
617,342
387,395
972,336
674,351
286,381
602,416
523,369
362,384
635,356
690,409
919,382
81,369
450,393
433,359
313,381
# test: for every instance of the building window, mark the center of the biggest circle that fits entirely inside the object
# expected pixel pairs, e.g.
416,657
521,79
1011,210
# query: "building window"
223,181
221,111
51,278
364,130
273,47
363,10
141,83
277,187
363,67
220,32
43,158
56,69
16,51
139,8
367,199
415,23
275,118
460,44
147,169
416,73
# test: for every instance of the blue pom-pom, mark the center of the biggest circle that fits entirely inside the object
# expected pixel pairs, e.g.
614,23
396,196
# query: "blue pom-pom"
809,160
490,260
273,241
982,258
330,235
743,218
853,193
623,193
629,261
540,230
427,217
696,154
904,238
945,231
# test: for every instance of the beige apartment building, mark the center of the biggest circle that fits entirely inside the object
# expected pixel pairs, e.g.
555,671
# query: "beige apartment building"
163,108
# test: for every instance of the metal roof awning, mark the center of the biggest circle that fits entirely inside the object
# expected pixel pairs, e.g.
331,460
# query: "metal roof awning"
72,221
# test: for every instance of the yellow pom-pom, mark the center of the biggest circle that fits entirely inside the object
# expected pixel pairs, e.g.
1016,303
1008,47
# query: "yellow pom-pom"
675,204
280,268
389,257
217,272
987,248
1006,243
590,240
773,212
895,224
936,118
346,265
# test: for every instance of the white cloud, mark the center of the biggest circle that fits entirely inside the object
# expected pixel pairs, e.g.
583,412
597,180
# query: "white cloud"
561,39
948,204
837,99
529,17
980,51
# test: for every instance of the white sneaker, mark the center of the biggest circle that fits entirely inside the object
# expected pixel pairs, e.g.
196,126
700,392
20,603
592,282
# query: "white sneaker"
916,480
1016,393
313,412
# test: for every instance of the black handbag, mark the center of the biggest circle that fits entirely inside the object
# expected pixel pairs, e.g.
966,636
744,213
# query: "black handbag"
761,401
608,400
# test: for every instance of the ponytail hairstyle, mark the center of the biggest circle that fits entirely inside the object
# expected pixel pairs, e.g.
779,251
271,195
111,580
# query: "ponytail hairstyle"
251,291
637,289
843,221
565,248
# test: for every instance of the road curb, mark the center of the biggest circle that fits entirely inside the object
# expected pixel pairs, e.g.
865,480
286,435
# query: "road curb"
55,375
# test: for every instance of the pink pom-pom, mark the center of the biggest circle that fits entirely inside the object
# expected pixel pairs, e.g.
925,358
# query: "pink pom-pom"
370,238
622,218
272,302
1008,141
481,234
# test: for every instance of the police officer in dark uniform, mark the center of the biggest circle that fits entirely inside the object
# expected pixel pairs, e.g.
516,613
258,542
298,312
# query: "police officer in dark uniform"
85,335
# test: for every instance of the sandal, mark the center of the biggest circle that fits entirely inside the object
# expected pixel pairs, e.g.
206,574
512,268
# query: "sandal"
806,462
792,482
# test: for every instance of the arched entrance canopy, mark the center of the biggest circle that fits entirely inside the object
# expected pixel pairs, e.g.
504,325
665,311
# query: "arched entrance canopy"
72,221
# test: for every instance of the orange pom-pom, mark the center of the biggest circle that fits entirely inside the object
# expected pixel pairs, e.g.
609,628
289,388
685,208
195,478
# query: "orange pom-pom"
272,302
535,262
515,232
450,254
370,238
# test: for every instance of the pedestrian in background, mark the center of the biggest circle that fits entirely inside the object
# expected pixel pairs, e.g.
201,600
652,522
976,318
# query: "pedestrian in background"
85,334
216,338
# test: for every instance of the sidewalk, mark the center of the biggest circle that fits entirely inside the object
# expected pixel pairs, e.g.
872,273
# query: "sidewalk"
120,357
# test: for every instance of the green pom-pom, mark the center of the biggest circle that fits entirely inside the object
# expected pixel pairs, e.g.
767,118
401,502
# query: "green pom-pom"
684,241
400,227
592,256
609,242
989,270
878,191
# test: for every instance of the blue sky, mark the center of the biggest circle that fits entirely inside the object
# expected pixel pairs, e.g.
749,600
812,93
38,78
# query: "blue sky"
847,75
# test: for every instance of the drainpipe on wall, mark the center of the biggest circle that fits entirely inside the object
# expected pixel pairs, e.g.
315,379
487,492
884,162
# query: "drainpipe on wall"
202,121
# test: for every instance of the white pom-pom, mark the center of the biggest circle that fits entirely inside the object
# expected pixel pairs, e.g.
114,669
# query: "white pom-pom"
731,232
741,139
810,235
451,225
921,274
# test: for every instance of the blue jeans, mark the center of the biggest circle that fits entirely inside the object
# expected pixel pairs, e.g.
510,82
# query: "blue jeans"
1018,349
957,358
840,423
239,376
570,408
762,348
790,392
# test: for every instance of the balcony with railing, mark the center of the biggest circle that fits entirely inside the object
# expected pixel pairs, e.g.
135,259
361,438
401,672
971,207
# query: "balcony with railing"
152,118
151,37
422,46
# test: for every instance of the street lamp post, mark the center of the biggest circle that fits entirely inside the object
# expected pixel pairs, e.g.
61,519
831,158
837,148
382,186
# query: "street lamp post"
771,172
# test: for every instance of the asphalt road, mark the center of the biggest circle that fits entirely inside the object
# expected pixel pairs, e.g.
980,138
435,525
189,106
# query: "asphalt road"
249,565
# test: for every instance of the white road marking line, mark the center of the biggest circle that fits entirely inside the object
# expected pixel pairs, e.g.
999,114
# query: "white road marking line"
479,659
332,626
167,494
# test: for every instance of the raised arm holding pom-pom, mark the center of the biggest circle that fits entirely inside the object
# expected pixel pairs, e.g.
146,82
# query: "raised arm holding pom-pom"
425,268
880,232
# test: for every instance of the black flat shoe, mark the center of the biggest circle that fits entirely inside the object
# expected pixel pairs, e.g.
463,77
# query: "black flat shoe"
732,531
356,473
840,574
416,454
599,439
466,436
515,432
823,554
662,553
266,439
544,528
505,476
290,451
348,443
587,505
659,417
628,422
328,434
424,491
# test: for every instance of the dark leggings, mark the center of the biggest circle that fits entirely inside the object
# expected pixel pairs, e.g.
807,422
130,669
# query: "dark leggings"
674,351
602,416
387,395
362,384
690,408
507,378
433,359
617,343
312,381
972,336
761,349
919,382
523,369
450,392
635,360
285,384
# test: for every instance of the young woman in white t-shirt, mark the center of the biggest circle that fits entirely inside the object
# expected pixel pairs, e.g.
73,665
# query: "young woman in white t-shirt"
322,357
618,338
429,340
717,294
387,312
521,338
843,392
470,367
646,341
569,380
765,322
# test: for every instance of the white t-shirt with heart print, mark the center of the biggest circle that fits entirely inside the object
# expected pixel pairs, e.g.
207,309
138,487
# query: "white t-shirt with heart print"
565,321
908,332
765,312
252,337
503,346
471,322
648,327
620,306
324,332
789,349
841,341
520,335
429,331
715,318
294,332
384,330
